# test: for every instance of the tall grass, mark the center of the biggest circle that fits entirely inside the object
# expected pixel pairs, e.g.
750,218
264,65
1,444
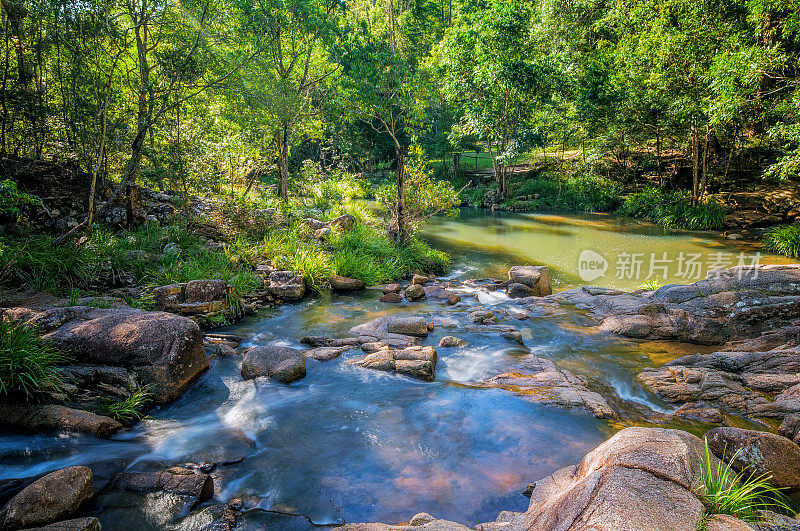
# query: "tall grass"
784,239
27,363
739,495
128,409
673,209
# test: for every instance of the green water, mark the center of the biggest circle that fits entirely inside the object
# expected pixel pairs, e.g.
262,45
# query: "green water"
487,244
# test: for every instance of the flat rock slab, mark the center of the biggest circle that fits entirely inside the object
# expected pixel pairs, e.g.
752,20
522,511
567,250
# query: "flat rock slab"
394,327
163,350
53,497
543,382
32,418
416,362
279,363
88,523
177,480
325,353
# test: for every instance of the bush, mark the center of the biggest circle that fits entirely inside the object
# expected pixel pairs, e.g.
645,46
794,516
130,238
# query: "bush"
13,203
575,193
739,495
784,239
27,363
673,209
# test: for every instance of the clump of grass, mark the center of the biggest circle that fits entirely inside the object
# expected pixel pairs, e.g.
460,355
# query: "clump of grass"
128,409
673,209
651,284
784,239
570,193
27,363
738,494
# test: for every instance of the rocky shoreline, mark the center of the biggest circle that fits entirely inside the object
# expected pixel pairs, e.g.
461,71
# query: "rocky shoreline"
645,477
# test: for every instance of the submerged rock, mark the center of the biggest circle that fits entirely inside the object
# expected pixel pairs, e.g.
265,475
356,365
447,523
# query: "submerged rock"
391,297
452,341
279,363
416,362
88,523
325,353
758,452
482,316
50,498
543,382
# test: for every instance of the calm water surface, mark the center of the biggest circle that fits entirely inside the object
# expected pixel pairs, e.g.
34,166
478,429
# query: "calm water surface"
351,444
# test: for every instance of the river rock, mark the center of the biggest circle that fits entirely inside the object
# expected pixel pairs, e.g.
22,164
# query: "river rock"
536,278
439,294
339,283
758,452
409,326
414,292
392,288
420,279
164,351
177,480
452,341
196,297
516,290
87,523
482,316
641,478
419,522
416,362
279,363
325,353
286,285
50,498
543,382
391,297
733,304
344,222
52,417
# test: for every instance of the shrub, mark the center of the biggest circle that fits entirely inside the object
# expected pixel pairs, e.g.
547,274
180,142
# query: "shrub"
673,209
13,203
27,363
739,495
784,239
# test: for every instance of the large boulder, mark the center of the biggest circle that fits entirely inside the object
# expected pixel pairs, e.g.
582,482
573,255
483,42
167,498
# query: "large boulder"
163,350
279,363
758,452
642,478
87,523
53,417
50,498
339,283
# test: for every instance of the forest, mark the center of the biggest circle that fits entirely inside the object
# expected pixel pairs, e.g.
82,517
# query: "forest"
249,98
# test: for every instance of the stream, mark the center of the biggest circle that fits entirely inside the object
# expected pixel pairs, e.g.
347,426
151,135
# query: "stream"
358,445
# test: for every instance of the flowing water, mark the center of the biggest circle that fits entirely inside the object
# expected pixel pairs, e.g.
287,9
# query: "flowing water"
352,444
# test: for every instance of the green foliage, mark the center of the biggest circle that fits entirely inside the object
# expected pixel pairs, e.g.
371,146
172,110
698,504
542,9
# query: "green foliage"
741,495
326,191
128,409
27,363
572,193
673,209
13,202
651,284
784,239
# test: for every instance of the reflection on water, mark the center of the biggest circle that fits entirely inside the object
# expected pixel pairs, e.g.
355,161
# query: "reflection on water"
488,244
352,444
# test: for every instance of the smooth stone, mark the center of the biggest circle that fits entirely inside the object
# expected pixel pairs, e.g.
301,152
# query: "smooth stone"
414,292
279,363
393,298
177,480
50,498
53,417
452,341
409,326
339,283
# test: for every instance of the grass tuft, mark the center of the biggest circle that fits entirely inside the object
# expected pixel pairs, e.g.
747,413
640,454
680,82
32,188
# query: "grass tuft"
673,209
27,363
784,239
129,409
738,494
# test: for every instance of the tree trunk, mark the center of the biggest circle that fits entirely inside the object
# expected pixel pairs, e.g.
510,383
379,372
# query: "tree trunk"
695,164
283,180
401,231
704,181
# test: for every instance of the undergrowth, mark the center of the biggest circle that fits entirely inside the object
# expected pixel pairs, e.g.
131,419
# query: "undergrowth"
673,209
784,239
28,364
